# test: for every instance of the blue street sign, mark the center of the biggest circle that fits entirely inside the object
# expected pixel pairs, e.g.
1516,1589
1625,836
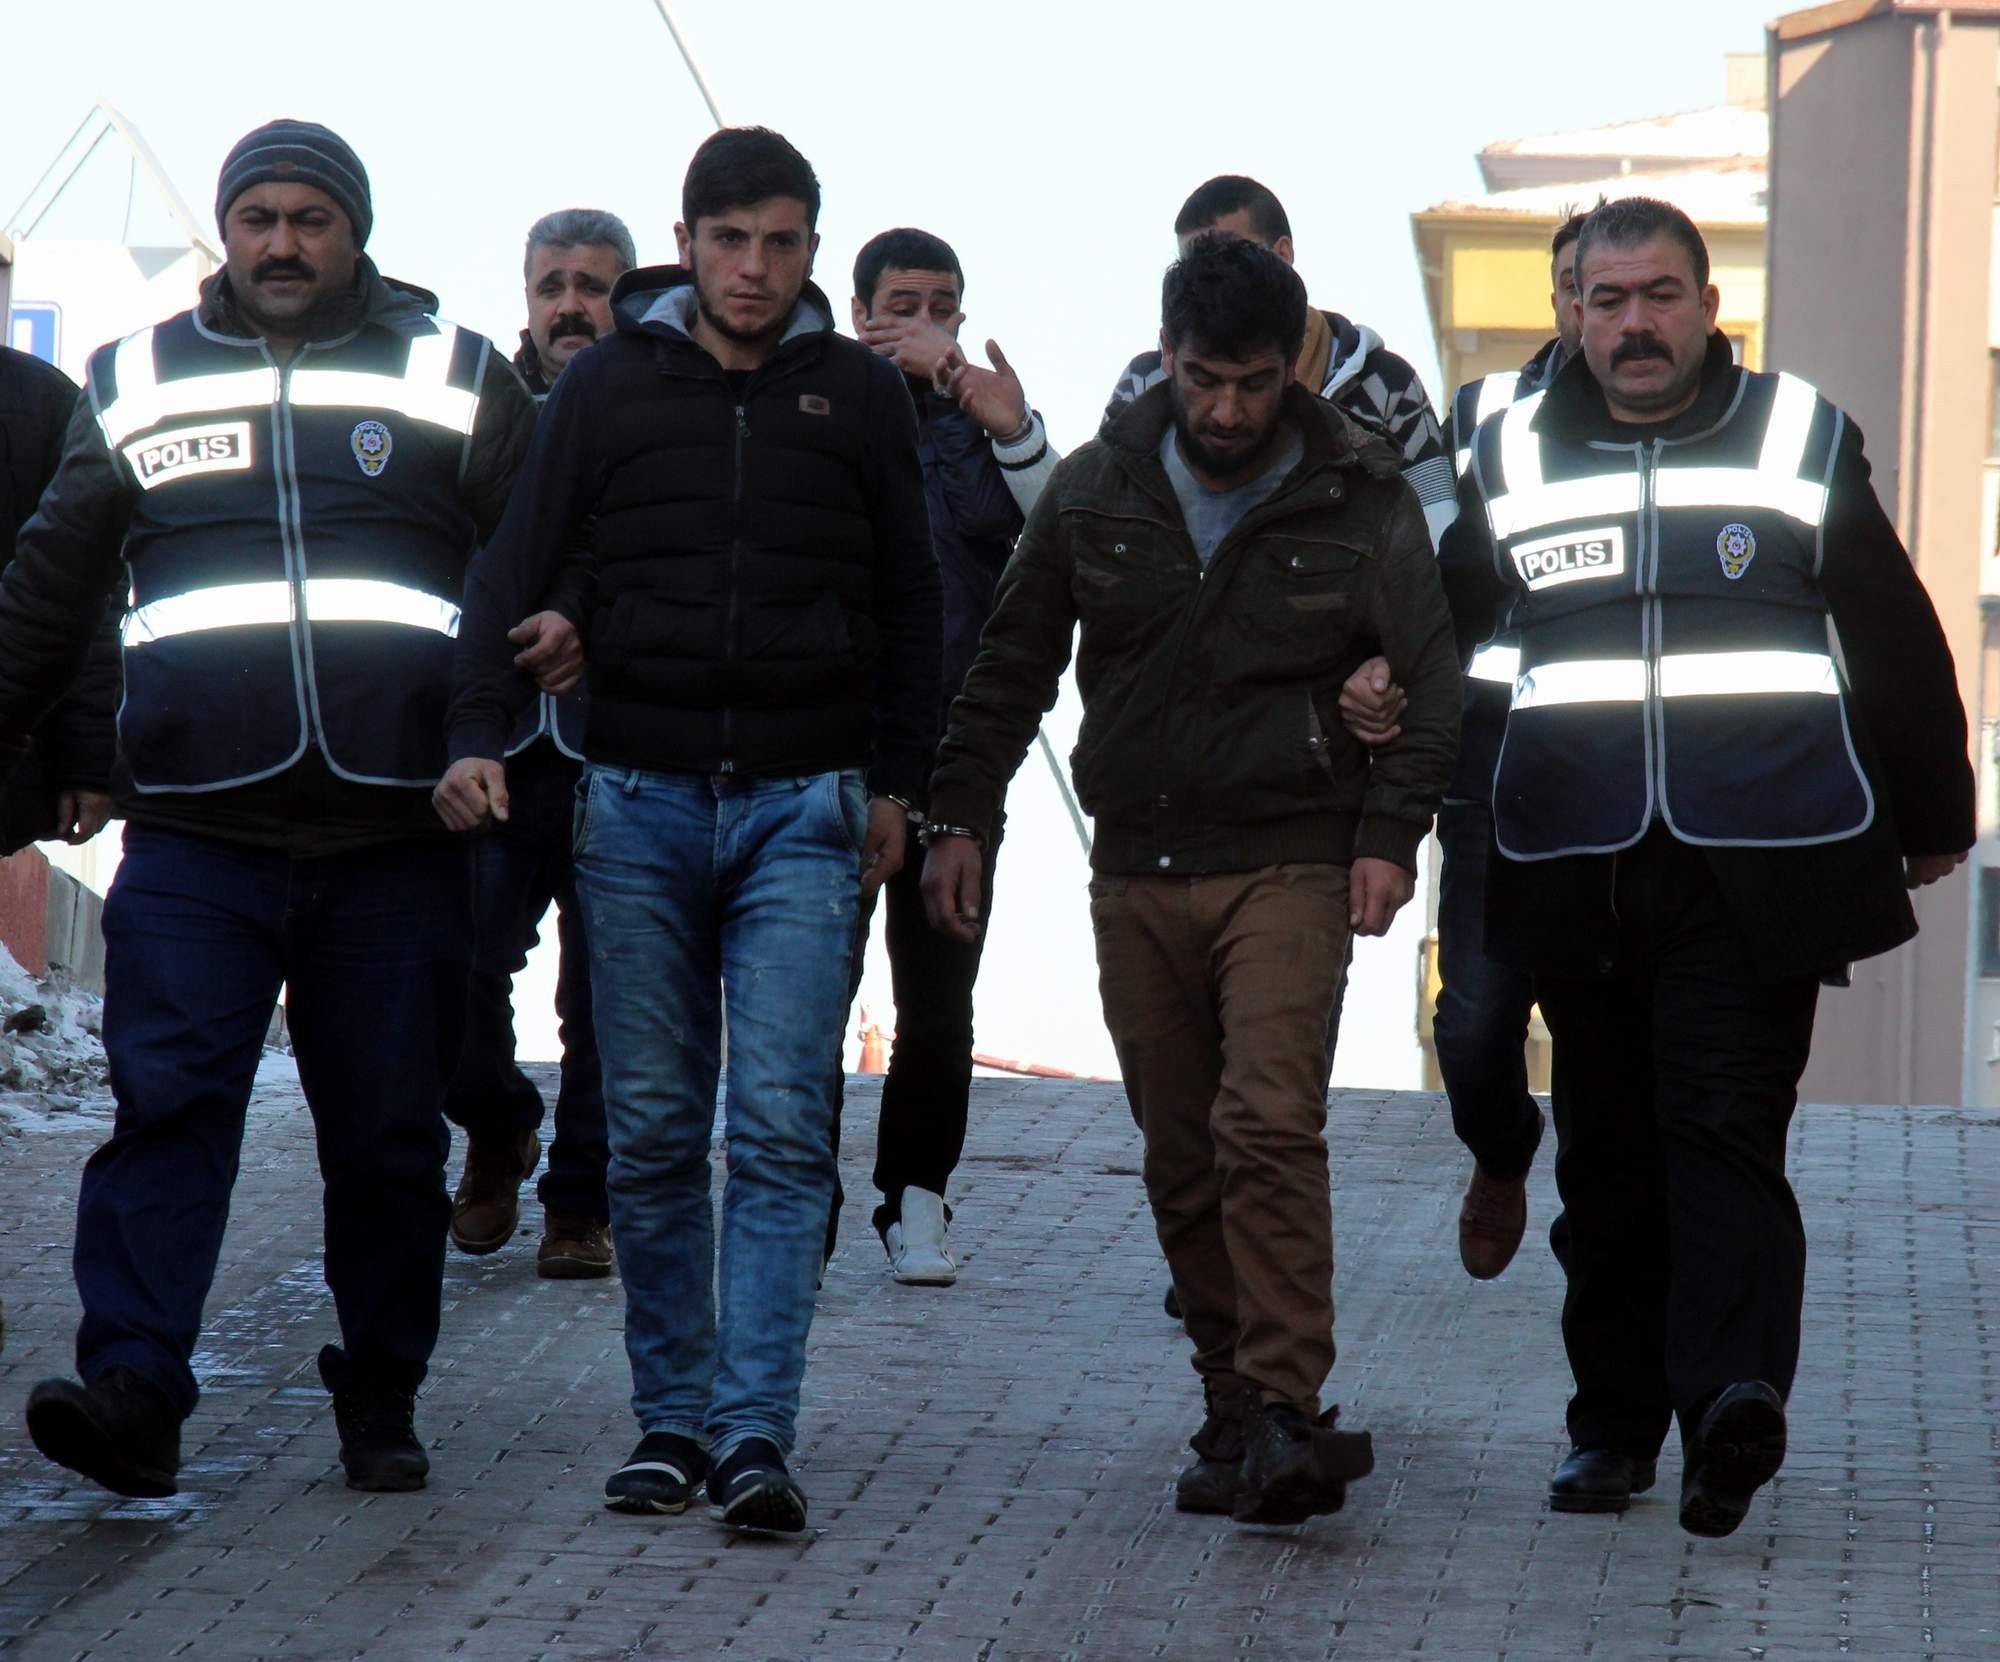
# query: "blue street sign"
35,326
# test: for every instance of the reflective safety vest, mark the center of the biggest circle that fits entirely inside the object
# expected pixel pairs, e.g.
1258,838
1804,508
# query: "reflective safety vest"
297,549
1677,657
1498,661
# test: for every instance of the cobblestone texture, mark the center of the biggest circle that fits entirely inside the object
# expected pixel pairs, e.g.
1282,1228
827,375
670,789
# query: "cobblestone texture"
991,1465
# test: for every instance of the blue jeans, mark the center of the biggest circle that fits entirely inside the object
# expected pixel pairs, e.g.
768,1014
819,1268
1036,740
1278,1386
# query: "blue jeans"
199,935
520,865
1481,1027
700,892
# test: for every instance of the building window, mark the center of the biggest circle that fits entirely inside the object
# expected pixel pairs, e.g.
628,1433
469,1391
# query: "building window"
1993,381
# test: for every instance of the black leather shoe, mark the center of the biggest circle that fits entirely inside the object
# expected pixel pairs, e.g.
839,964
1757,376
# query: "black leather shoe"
378,1438
1598,1480
1737,1447
119,1431
1294,1469
1213,1482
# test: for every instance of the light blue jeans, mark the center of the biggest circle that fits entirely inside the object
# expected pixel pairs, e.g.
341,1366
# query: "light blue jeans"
698,890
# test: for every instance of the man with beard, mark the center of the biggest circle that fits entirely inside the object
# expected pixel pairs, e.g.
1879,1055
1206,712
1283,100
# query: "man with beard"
294,473
1232,548
574,257
763,637
1346,363
1701,811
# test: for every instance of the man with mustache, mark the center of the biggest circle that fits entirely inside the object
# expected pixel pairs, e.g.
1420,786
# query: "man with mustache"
764,631
574,258
1702,812
1232,548
294,473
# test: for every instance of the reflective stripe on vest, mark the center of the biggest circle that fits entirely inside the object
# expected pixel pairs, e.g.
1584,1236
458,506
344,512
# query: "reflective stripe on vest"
327,600
422,391
1682,675
1496,392
1531,500
1495,662
144,401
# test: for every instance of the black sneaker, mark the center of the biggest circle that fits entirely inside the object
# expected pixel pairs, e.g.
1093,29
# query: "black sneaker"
662,1475
1737,1447
378,1438
120,1431
1215,1479
755,1491
1294,1469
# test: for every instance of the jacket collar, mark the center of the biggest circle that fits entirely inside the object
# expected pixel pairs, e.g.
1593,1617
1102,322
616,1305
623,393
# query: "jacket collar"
529,362
659,300
1574,406
383,302
1133,437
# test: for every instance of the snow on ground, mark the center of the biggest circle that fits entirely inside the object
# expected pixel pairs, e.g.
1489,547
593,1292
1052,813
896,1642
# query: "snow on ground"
51,1065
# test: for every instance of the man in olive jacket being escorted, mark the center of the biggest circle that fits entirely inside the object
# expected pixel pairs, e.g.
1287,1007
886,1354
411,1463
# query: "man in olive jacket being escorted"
1233,548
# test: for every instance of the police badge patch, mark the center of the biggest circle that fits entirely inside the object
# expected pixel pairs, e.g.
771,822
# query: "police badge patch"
372,444
1736,548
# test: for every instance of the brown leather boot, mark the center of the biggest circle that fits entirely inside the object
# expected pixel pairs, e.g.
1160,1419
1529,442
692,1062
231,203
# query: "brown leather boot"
573,1248
486,1210
1491,1220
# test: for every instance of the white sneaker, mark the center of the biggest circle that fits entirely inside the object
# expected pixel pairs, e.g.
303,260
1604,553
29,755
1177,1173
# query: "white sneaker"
917,1251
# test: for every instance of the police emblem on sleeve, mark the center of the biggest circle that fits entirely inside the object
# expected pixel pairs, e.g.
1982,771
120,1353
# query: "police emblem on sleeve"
372,444
1736,548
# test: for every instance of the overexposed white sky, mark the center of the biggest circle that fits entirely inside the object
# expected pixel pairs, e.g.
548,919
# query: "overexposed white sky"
1049,143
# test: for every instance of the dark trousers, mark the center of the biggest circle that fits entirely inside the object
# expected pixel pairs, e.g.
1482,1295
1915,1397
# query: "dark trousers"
1481,1026
921,1133
519,866
199,935
1675,1079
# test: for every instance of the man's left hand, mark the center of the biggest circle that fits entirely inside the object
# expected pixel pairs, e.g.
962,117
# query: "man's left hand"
1371,704
915,345
1920,870
1376,891
551,651
81,814
888,837
992,397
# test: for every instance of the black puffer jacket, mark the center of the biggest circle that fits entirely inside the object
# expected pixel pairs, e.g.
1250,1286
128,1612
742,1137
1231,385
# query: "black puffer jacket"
765,597
74,745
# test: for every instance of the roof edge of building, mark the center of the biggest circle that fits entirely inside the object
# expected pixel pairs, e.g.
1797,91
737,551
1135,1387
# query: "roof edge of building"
1844,14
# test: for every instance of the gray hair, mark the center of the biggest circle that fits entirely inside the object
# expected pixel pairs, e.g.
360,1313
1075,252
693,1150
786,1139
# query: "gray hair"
575,227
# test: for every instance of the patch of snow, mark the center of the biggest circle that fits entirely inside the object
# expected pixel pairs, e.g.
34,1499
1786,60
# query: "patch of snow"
52,1069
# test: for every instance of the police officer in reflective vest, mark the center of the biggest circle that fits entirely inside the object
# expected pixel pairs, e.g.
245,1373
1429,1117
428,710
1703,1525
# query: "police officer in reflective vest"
296,473
1703,805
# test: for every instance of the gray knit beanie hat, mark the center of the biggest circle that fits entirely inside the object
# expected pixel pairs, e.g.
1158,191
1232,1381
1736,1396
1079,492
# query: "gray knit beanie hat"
298,153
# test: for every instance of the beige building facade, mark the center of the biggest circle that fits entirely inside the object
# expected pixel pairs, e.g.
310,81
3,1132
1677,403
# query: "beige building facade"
1885,173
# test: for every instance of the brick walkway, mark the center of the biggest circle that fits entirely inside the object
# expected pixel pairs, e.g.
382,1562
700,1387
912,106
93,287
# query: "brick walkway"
990,1466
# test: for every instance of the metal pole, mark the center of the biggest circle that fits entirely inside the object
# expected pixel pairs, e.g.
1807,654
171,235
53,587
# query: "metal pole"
693,68
1068,796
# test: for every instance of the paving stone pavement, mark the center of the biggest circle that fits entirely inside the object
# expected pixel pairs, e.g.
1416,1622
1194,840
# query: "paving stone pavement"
991,1465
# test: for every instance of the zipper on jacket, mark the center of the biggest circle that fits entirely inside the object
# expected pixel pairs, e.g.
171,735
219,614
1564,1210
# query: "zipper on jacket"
1656,618
730,624
292,541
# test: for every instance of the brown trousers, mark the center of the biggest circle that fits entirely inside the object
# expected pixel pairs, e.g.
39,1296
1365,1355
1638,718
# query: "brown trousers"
1217,992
